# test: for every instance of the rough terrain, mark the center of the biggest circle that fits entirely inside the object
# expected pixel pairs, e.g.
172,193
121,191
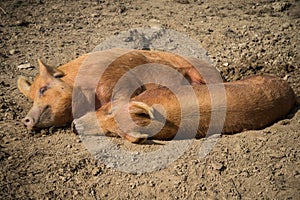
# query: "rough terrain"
241,37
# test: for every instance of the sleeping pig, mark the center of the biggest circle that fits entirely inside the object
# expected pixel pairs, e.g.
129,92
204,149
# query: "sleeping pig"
252,103
52,91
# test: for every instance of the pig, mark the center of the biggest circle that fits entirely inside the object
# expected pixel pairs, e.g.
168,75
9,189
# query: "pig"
249,104
52,89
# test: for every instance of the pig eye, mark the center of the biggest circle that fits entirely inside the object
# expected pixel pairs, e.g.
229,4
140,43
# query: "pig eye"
43,90
110,111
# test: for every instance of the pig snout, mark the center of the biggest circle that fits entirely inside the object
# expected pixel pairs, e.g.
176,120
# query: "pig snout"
33,117
28,122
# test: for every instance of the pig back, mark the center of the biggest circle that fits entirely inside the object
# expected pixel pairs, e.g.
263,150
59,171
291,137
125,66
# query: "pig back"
256,102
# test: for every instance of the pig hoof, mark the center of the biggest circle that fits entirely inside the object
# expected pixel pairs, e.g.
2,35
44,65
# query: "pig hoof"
73,127
86,125
76,127
136,137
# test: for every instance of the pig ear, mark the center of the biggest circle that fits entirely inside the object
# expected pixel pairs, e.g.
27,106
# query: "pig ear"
136,107
46,70
24,86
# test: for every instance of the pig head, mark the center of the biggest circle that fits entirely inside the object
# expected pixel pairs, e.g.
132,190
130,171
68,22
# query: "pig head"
52,98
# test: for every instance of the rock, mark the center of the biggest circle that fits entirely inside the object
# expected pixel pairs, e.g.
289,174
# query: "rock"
218,166
286,26
21,23
285,122
225,64
154,23
201,187
286,77
267,131
151,183
78,140
12,51
182,1
280,6
96,171
94,15
25,66
277,155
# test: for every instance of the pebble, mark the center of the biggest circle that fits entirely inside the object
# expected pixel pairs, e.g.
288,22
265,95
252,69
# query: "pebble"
202,187
43,132
285,122
276,155
217,166
182,1
286,77
280,6
151,183
78,140
286,25
267,131
95,15
96,171
262,138
154,23
12,51
25,66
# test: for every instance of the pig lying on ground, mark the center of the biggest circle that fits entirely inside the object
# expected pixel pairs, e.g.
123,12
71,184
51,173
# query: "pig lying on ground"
52,89
252,103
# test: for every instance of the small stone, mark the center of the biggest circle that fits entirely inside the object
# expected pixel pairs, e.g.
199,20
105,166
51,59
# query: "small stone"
267,131
182,1
78,140
62,178
217,166
151,184
277,155
43,132
262,138
21,23
225,64
25,66
201,187
12,51
286,25
176,183
286,77
95,15
96,171
285,122
280,6
154,23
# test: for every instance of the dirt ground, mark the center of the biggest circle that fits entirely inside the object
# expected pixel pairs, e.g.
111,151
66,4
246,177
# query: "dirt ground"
242,37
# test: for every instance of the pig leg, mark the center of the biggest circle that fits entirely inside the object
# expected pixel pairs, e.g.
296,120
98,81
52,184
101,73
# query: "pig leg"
201,72
135,137
87,125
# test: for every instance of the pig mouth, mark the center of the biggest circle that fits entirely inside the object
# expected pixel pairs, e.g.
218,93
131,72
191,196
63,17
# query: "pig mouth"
45,119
